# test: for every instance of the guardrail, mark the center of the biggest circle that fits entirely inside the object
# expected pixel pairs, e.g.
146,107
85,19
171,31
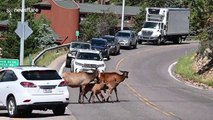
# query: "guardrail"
41,54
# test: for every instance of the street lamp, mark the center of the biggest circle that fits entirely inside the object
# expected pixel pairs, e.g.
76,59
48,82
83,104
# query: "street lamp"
122,18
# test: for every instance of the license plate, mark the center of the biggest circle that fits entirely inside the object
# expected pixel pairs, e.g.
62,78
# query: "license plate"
145,37
47,90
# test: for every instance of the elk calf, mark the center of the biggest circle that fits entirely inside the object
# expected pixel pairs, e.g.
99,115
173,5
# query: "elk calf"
109,82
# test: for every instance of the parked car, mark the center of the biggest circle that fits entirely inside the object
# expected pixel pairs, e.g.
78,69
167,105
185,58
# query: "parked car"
114,45
101,45
72,50
23,89
127,38
87,60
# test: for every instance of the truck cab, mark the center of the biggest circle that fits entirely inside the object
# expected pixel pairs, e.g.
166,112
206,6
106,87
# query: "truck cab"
165,24
151,31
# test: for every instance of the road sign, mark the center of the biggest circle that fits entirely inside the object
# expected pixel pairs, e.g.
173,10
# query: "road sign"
4,63
23,27
77,33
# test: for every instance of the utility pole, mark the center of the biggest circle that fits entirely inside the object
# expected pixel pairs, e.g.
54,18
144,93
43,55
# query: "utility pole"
23,33
122,18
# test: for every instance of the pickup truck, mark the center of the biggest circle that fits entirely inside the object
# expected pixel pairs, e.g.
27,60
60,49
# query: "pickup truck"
74,46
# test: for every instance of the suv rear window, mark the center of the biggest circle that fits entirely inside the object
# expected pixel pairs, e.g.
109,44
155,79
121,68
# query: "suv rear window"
41,75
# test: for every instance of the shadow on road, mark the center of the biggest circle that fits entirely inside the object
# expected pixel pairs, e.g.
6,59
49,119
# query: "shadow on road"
97,102
43,114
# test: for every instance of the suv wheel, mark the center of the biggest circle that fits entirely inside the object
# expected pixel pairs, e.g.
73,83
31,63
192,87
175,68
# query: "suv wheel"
139,42
158,42
68,62
130,46
11,107
135,46
59,110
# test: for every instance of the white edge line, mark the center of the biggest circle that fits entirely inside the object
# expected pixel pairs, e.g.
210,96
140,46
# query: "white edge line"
61,68
170,71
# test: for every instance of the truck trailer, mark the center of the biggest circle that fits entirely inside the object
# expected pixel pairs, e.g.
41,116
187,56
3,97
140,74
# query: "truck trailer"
165,24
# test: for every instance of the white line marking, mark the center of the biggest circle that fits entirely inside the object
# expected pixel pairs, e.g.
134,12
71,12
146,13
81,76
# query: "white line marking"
185,82
61,69
170,71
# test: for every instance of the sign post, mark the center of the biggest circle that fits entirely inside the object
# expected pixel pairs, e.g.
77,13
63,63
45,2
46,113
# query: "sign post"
23,31
77,34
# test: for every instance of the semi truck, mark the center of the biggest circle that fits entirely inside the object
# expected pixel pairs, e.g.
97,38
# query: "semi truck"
165,24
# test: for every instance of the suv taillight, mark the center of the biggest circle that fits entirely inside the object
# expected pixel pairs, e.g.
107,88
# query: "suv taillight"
28,84
62,84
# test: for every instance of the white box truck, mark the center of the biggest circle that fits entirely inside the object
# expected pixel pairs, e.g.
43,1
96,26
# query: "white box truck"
165,24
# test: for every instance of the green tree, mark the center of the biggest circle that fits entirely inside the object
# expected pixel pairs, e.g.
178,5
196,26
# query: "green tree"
97,25
88,27
11,45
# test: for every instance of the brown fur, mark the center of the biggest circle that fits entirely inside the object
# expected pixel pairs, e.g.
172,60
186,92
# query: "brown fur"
80,79
109,81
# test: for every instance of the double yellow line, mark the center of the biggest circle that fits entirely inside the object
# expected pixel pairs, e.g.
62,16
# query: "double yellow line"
142,98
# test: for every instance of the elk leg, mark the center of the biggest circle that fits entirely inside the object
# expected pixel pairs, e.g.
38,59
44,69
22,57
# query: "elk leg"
82,93
86,97
103,99
109,92
93,97
116,94
98,97
90,96
79,97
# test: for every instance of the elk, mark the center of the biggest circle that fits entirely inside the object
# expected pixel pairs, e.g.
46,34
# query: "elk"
96,88
108,82
80,79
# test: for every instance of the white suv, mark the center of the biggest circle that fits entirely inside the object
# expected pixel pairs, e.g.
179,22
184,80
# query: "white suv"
23,89
87,60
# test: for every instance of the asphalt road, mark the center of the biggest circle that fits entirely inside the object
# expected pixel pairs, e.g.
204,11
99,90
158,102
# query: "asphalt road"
150,92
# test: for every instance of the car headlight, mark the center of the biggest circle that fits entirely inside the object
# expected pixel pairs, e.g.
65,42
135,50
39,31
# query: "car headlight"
69,55
79,64
112,46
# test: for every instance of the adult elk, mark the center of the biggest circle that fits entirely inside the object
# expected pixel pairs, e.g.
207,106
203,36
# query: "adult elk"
80,79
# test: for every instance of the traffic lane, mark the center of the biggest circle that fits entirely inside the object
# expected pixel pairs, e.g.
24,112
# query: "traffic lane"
129,107
155,85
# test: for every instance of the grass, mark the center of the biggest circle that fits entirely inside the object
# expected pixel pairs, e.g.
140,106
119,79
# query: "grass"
47,58
50,56
185,70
